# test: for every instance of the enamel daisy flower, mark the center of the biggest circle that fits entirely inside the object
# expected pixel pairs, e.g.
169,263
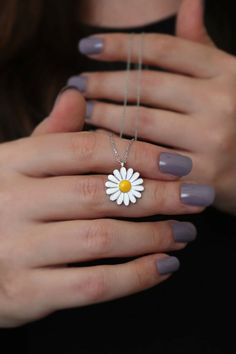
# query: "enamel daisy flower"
124,186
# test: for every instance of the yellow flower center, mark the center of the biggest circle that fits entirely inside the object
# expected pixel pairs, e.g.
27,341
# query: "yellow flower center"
124,186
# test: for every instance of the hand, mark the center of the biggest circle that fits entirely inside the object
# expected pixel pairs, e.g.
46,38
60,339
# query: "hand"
191,109
52,215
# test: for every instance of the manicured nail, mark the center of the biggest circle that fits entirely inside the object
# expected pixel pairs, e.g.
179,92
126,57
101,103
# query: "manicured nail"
89,109
197,195
175,164
79,82
183,231
168,265
91,45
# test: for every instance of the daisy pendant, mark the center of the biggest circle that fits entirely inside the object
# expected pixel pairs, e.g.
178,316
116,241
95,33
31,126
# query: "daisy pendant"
124,186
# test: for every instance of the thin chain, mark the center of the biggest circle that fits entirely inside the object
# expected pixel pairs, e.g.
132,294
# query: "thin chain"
139,86
122,160
126,91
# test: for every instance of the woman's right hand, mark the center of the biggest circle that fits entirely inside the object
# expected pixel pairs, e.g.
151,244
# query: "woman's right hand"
54,211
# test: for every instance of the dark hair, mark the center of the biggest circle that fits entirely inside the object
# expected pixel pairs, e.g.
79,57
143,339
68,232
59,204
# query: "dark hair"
38,52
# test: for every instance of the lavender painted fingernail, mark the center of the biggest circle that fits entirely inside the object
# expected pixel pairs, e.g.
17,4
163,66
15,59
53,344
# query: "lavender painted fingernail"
79,82
91,45
89,109
175,164
197,195
167,265
183,231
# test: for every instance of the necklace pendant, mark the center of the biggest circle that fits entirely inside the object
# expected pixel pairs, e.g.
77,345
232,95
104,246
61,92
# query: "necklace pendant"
124,186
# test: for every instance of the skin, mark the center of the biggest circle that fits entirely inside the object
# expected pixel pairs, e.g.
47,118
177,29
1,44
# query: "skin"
109,13
52,214
191,107
55,212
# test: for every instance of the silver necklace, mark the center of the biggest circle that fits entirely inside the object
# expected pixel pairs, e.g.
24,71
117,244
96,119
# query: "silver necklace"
124,186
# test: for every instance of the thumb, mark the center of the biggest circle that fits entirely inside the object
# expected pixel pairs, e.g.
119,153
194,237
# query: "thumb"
190,22
67,114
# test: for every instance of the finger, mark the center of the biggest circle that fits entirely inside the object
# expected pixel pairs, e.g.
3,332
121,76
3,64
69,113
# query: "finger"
67,114
190,22
85,197
155,125
87,152
169,52
80,241
65,288
159,89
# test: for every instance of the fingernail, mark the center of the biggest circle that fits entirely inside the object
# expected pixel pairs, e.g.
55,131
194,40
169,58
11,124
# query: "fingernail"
167,265
175,164
79,82
89,109
91,45
184,231
197,195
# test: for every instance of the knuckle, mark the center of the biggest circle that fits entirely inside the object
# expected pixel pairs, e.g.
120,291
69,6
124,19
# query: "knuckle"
160,196
220,140
145,118
224,97
19,297
162,236
227,104
155,237
10,284
142,274
94,288
99,239
89,188
82,146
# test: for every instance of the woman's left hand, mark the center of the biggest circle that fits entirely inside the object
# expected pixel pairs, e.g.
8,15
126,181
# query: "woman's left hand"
191,108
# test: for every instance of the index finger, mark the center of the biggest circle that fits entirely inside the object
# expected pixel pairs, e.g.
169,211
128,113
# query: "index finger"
91,152
166,51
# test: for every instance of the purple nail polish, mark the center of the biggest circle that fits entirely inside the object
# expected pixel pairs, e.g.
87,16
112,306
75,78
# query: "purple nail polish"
167,265
79,82
183,231
89,109
197,195
175,164
91,45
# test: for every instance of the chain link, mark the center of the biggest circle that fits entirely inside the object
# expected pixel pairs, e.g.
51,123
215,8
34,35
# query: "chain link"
122,160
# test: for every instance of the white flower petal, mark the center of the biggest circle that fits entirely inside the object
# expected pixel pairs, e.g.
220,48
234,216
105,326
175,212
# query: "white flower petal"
111,190
115,196
117,175
135,176
138,181
123,172
120,199
129,173
132,197
136,194
113,179
138,188
111,184
126,199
